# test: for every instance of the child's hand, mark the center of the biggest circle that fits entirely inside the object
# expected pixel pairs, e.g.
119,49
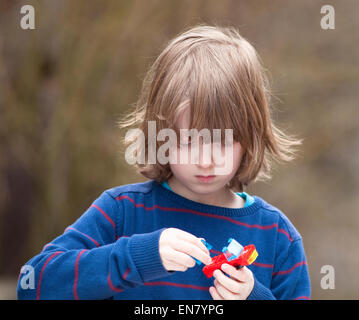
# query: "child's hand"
177,247
237,287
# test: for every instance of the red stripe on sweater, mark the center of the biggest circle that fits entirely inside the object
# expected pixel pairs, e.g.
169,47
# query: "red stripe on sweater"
77,274
105,215
84,234
179,285
302,298
285,233
42,273
126,274
113,288
215,252
263,265
210,215
290,270
48,245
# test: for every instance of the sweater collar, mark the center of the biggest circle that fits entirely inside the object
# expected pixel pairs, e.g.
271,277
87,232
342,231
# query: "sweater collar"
201,207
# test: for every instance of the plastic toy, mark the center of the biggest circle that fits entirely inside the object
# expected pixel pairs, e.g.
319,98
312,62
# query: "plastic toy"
235,255
233,250
208,246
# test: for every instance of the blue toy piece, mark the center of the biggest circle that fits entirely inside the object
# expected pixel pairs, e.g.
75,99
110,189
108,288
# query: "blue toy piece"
208,246
233,250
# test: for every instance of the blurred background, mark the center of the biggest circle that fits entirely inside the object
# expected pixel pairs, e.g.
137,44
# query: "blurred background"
64,85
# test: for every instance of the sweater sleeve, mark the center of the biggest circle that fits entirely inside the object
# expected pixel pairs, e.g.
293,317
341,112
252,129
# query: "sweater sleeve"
91,260
290,281
260,292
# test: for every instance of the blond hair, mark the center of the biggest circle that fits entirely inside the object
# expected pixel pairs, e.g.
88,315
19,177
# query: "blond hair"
218,75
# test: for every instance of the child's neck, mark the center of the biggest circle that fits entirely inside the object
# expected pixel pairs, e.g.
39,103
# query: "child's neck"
221,198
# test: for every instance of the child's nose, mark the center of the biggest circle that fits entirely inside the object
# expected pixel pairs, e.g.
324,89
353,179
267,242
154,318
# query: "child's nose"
205,166
205,156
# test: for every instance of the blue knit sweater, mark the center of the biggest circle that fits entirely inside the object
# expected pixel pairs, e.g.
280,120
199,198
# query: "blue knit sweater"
111,251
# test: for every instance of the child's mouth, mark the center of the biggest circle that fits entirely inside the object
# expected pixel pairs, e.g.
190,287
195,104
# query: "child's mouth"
205,178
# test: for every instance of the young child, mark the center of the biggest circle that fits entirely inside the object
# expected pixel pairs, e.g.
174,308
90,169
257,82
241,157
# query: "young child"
139,241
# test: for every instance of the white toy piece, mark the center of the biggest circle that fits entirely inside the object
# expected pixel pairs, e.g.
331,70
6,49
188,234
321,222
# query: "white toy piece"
233,250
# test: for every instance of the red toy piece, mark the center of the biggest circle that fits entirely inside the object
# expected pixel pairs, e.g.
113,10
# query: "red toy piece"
248,255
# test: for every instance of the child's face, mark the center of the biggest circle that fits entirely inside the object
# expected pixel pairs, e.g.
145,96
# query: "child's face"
192,176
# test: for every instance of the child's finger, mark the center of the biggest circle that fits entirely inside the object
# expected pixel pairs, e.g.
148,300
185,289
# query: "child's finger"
242,275
180,258
214,293
175,267
192,239
224,292
229,283
193,250
203,245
